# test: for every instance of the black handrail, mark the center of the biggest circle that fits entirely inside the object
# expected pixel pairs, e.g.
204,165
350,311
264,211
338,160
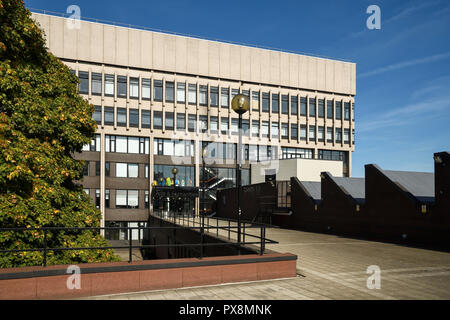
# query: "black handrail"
260,240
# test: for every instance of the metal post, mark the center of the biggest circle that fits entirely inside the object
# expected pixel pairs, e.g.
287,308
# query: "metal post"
229,228
243,232
130,259
238,179
45,247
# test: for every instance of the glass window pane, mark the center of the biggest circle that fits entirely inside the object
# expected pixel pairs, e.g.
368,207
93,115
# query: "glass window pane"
133,198
121,170
133,170
134,87
121,198
133,145
170,91
121,144
181,92
146,89
96,83
109,84
121,86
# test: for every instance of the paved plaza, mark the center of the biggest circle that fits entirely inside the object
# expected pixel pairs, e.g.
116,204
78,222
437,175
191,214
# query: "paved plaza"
332,267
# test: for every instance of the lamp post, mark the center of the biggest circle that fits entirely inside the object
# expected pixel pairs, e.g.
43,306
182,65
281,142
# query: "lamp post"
240,105
202,231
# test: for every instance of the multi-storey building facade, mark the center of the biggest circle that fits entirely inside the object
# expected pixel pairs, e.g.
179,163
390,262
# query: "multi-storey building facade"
159,98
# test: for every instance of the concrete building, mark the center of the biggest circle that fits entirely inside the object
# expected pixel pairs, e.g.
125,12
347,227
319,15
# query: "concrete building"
159,98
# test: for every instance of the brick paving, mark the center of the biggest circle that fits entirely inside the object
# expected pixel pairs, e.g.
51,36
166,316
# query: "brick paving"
331,267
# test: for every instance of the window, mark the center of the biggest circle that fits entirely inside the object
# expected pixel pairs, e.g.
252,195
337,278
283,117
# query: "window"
83,86
107,197
353,136
178,148
86,168
224,94
303,132
121,86
329,109
133,145
124,144
133,170
321,134
157,90
203,120
294,131
107,169
329,134
134,118
169,121
275,103
291,153
312,133
294,105
235,126
224,125
284,104
96,84
353,114
303,106
255,128
97,168
134,88
347,111
110,143
192,94
170,91
347,136
192,123
338,110
121,117
146,89
265,102
146,170
127,199
97,198
109,85
255,100
275,130
145,119
185,175
121,144
94,146
284,131
214,121
146,199
214,96
246,93
246,127
181,121
97,115
157,119
109,116
265,129
338,135
234,92
321,108
312,107
181,92
203,95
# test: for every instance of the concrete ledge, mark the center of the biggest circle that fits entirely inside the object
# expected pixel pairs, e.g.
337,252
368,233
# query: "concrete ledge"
121,277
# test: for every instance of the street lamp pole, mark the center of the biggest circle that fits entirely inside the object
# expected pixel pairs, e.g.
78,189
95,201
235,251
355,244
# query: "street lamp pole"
240,105
202,231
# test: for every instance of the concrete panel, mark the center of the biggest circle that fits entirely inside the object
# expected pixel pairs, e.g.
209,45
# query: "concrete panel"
192,56
274,67
312,73
255,65
329,74
44,25
158,51
56,35
70,42
96,43
109,44
147,49
134,47
302,71
245,63
284,69
203,57
321,74
235,62
265,66
224,60
169,53
122,46
84,42
213,58
181,54
293,70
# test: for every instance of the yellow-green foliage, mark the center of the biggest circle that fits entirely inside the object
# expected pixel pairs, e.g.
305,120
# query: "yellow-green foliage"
43,121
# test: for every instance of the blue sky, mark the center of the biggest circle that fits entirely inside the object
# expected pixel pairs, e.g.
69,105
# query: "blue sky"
403,69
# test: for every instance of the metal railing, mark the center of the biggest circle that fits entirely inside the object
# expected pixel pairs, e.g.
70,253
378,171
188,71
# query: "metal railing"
189,223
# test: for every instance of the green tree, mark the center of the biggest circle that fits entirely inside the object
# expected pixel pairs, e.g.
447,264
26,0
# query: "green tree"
43,121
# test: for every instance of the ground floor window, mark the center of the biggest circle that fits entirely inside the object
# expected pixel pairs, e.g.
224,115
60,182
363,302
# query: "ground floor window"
122,233
164,177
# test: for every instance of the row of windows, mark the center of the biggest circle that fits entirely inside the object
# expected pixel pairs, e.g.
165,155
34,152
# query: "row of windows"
275,130
209,95
127,199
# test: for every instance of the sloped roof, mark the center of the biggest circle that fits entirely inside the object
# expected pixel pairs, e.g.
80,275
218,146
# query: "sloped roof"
355,187
419,184
314,189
